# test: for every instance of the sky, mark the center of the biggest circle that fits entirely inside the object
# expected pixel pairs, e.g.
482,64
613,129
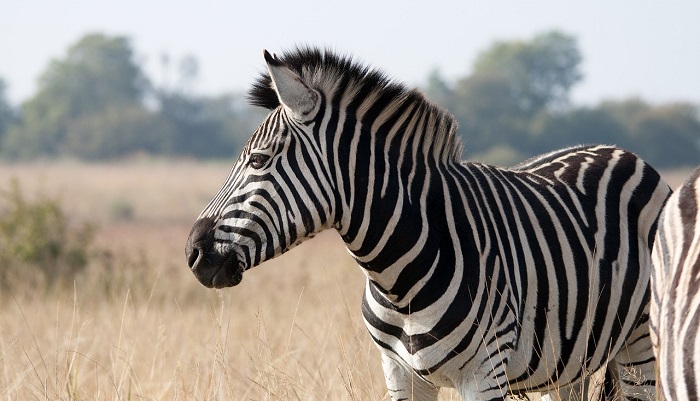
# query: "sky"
649,49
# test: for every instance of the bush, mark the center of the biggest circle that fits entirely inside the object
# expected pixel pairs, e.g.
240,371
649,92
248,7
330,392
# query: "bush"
38,244
121,210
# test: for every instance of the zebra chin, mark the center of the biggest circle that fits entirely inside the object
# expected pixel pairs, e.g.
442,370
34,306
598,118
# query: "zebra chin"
212,268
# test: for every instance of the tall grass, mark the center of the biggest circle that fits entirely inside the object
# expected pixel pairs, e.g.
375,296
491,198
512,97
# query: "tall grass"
135,324
172,339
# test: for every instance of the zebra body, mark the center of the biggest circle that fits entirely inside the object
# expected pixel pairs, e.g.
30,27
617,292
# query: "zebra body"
675,305
489,280
534,250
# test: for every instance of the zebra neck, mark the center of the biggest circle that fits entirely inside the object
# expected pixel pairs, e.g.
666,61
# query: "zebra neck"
393,232
385,158
390,162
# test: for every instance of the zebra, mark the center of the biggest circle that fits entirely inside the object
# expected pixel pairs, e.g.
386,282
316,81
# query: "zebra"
493,281
675,318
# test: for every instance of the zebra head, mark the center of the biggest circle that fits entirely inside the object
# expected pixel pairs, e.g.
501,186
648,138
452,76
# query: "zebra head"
278,192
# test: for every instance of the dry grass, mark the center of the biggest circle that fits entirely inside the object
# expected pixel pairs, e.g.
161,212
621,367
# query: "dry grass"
268,340
141,327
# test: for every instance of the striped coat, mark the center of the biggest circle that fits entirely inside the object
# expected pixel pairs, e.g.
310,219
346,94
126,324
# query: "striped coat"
489,280
675,314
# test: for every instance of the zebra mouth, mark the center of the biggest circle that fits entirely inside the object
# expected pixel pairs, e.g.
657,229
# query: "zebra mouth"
230,273
219,272
214,269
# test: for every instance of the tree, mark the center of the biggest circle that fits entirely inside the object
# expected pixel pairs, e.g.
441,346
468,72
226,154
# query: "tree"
117,132
666,135
512,84
438,90
206,127
583,125
488,114
540,72
515,103
97,73
7,114
200,126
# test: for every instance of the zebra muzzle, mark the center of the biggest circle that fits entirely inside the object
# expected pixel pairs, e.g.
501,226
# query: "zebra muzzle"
212,268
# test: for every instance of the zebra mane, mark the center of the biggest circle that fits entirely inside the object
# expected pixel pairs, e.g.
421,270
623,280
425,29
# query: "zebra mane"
324,70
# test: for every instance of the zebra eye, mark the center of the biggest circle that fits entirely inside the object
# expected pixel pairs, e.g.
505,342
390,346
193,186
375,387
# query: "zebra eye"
257,160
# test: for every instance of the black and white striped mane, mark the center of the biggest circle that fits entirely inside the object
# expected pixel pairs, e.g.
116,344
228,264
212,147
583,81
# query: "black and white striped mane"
330,73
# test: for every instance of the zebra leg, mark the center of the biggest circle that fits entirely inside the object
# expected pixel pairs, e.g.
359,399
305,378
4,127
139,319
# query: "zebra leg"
602,385
404,384
590,388
486,386
484,390
611,387
637,365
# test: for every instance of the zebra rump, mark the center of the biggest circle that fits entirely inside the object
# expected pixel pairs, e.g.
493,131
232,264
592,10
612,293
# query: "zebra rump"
675,304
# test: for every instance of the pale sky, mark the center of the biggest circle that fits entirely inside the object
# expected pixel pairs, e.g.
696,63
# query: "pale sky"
632,48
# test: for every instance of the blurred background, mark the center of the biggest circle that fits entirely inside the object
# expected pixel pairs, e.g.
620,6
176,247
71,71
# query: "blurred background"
118,79
120,120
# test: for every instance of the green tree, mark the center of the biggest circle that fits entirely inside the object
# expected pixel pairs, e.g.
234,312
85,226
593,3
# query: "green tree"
488,115
666,135
98,73
7,113
539,72
511,84
515,104
583,125
438,89
117,132
206,126
199,126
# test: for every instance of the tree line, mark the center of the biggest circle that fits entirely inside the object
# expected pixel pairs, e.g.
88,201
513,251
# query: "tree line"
97,103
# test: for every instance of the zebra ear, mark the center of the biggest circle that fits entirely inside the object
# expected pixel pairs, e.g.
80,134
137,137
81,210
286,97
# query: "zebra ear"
291,90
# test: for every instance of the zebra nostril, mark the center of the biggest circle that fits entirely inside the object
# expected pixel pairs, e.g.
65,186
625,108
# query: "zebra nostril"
192,257
199,240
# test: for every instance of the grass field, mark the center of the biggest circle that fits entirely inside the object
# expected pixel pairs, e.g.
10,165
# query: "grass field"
138,326
143,328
